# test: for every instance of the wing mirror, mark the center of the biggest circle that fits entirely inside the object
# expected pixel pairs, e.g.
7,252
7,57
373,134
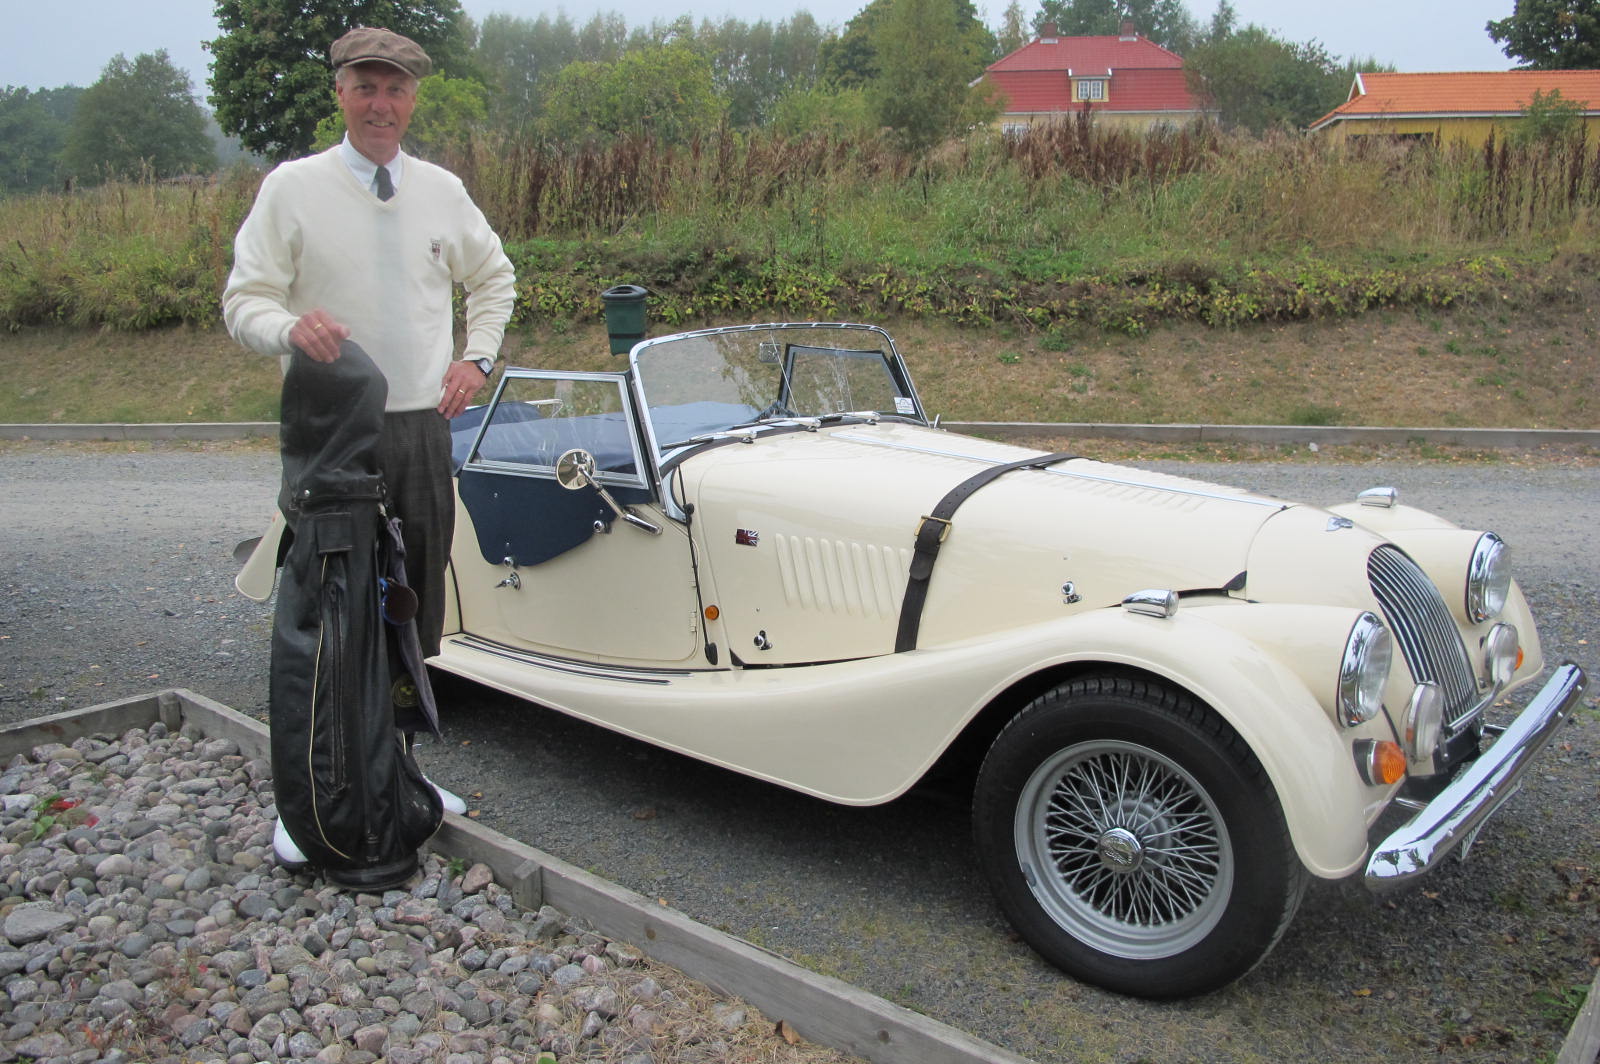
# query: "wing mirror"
575,470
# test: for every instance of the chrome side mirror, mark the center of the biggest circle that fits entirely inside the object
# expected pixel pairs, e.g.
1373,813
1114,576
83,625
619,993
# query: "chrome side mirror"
575,470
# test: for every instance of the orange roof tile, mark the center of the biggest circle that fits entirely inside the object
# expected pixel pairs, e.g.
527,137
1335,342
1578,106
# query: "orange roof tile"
1503,92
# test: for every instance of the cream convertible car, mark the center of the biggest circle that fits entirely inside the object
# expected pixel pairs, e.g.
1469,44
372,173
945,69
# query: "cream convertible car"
1176,700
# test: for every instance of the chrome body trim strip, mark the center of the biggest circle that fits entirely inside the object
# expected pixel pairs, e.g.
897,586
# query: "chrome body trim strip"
619,673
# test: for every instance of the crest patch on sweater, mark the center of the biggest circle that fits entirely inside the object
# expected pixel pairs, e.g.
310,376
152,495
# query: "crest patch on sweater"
434,247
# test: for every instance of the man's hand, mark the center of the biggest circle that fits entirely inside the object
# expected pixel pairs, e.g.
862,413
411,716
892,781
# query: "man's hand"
461,382
318,335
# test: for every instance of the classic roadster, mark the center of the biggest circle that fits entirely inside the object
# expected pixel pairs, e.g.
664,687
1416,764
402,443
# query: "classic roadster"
1173,701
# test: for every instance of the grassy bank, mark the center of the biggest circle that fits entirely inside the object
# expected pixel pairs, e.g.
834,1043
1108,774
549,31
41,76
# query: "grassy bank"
1068,227
1473,366
1074,274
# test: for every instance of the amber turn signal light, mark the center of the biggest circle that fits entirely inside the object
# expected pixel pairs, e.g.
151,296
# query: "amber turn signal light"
1380,763
712,613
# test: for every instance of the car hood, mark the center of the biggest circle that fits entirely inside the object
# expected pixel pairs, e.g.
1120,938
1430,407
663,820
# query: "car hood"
806,537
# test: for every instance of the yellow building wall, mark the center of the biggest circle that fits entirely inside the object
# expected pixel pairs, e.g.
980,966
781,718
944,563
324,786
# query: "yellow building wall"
1138,121
1473,132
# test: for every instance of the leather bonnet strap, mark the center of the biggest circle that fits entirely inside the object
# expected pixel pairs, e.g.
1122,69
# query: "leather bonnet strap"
931,533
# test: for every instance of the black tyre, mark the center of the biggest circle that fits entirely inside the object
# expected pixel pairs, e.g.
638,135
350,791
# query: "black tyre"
1134,840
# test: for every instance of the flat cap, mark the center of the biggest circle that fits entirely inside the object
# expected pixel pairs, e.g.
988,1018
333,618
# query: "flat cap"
369,44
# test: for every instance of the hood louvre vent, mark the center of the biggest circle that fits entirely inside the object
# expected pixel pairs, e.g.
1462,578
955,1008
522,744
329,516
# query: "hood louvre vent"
838,576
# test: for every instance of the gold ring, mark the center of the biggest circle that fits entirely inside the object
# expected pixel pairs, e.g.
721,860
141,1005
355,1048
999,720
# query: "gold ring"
460,390
317,326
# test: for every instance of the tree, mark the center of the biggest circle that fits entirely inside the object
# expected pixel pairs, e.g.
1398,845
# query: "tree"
851,60
752,65
1224,21
1013,30
664,91
1551,34
520,57
1166,22
140,117
1549,118
1079,18
1259,81
33,130
925,65
842,114
448,110
270,79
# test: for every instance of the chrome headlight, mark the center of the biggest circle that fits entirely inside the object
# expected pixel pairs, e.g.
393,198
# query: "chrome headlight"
1364,670
1488,578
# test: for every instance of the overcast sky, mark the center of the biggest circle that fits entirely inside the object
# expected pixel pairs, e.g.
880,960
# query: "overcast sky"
49,43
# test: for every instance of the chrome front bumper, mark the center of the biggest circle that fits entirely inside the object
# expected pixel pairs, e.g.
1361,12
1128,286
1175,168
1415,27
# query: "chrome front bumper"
1452,820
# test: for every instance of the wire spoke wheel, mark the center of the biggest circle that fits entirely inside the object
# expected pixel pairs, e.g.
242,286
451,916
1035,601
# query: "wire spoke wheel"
1124,848
1133,839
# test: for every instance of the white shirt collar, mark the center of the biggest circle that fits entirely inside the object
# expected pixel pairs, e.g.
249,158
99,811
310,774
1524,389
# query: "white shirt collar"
366,170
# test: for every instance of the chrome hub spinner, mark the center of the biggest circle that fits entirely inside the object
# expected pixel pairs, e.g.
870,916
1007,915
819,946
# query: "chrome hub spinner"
1120,850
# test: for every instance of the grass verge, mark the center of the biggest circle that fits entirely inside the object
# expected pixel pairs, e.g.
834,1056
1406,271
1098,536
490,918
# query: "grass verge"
1472,367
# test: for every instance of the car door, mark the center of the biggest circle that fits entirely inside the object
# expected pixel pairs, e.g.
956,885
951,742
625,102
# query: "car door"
557,569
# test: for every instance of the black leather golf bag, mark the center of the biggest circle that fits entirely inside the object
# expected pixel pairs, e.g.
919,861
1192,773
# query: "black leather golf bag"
347,789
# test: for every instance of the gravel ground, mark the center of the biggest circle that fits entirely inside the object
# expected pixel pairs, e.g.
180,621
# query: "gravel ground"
115,579
143,916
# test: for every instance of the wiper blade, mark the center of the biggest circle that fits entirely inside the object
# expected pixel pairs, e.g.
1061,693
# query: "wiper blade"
787,419
811,424
711,437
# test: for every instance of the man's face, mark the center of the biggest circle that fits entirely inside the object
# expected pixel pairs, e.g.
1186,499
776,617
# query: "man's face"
377,100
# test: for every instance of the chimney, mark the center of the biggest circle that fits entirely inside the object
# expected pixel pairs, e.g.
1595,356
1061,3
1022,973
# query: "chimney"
1128,32
1048,30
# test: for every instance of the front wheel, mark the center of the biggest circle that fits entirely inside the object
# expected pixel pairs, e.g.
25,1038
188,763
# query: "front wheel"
1134,840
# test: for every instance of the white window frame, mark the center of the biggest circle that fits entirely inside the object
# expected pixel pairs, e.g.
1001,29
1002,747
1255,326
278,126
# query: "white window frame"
1090,90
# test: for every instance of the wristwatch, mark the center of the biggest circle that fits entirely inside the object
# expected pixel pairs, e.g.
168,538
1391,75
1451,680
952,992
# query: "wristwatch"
484,364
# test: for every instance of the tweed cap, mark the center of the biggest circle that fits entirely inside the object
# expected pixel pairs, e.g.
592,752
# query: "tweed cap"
369,44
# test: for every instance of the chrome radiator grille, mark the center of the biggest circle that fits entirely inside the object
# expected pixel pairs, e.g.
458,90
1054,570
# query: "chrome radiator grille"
1424,631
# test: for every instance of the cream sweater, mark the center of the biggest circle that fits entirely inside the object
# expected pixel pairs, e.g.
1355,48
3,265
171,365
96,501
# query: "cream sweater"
317,238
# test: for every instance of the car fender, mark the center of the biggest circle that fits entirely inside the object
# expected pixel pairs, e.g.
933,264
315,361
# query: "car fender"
1223,655
260,570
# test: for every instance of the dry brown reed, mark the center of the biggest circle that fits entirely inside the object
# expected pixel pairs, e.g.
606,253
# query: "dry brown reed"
1064,202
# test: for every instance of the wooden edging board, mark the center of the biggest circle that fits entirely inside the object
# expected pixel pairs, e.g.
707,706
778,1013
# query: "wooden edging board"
821,1009
1582,1045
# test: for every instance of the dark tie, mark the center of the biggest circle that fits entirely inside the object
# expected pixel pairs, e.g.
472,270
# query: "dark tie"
385,186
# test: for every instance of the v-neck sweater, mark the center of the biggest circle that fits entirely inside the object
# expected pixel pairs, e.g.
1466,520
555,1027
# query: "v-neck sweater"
317,238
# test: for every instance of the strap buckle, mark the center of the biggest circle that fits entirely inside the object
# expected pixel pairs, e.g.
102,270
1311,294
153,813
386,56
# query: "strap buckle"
944,533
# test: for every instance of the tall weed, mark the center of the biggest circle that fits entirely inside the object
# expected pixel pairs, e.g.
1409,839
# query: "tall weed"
1071,221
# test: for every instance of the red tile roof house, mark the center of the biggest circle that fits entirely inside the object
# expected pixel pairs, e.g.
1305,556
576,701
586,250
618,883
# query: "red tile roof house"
1454,107
1126,80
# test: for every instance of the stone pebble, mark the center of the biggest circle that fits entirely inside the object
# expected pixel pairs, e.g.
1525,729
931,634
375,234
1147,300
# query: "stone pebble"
143,916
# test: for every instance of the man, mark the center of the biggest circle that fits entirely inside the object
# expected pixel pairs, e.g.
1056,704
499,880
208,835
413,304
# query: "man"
364,242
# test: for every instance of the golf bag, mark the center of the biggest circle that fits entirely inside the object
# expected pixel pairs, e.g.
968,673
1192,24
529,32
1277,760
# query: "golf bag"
347,788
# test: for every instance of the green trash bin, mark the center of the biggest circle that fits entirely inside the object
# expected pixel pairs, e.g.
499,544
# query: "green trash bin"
624,305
